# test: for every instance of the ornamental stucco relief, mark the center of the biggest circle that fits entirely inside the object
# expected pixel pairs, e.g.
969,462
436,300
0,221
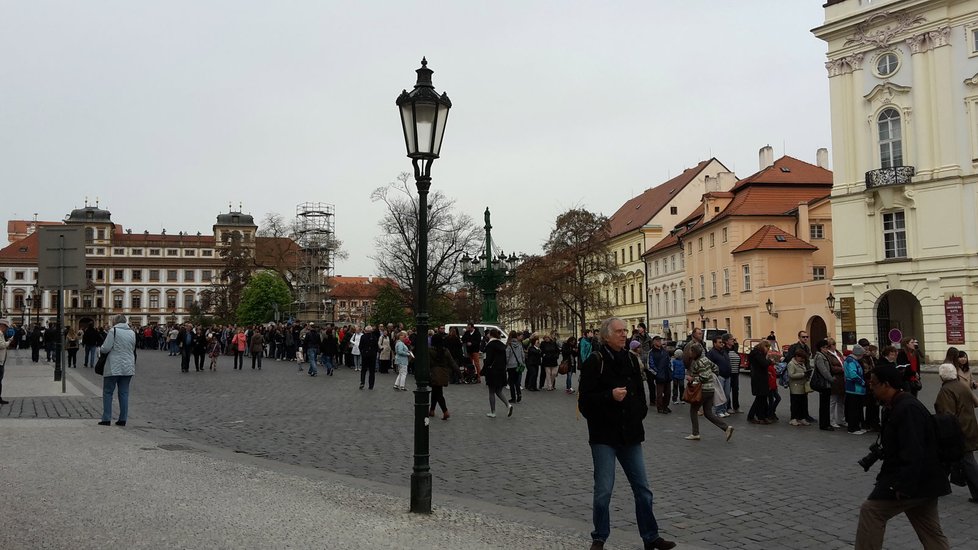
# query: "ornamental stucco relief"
881,38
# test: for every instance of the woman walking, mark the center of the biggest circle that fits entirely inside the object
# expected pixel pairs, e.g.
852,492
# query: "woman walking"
442,366
120,366
798,373
385,349
355,349
71,346
494,371
758,413
551,354
910,356
701,371
402,355
514,360
238,344
568,352
213,350
257,349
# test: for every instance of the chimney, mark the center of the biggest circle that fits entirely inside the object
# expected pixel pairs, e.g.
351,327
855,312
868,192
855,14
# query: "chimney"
766,157
711,184
822,158
802,232
727,180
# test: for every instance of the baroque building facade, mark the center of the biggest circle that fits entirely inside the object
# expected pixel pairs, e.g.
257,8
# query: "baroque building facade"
151,278
903,84
751,260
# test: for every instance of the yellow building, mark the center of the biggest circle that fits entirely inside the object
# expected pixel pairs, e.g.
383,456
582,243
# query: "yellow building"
641,223
750,260
903,82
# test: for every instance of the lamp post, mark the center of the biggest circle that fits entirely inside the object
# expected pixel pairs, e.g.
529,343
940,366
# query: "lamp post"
830,302
423,117
3,288
29,301
488,273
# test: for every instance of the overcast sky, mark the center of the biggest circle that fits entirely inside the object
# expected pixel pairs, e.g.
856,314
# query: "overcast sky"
169,110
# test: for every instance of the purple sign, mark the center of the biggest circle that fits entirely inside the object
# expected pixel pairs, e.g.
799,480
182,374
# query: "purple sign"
954,320
895,335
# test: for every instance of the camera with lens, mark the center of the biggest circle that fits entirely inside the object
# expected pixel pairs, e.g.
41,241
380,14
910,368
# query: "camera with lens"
875,453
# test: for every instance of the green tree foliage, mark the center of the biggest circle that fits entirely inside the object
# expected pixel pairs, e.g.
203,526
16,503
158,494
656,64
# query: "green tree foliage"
389,307
264,289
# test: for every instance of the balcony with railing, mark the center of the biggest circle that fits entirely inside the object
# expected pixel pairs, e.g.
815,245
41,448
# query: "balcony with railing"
888,177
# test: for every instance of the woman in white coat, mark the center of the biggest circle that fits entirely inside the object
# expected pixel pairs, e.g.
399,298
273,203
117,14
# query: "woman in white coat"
355,348
120,366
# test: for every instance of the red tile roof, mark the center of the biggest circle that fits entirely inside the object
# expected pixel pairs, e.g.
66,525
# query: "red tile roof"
22,251
357,287
770,237
639,210
790,171
683,227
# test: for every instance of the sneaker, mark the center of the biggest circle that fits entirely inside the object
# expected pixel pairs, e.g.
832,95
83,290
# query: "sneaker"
804,423
834,425
728,432
692,437
794,422
510,413
858,432
491,415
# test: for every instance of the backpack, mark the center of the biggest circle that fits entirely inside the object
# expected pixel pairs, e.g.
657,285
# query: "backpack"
950,439
781,370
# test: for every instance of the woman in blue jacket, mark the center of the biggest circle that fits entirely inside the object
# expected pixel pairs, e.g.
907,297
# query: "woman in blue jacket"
855,390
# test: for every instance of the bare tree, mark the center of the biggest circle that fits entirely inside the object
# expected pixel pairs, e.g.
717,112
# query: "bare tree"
579,260
450,233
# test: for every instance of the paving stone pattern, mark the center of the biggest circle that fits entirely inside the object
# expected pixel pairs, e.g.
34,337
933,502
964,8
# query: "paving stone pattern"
772,486
52,407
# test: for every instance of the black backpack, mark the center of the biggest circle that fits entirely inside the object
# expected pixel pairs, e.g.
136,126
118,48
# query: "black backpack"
950,438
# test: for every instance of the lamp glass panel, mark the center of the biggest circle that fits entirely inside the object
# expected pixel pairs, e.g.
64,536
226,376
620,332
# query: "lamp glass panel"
440,127
425,123
407,121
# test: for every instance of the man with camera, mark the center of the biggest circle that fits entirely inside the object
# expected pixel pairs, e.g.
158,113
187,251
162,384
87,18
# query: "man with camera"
911,477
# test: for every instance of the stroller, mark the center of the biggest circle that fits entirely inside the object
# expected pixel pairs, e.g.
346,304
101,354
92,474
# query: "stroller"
466,373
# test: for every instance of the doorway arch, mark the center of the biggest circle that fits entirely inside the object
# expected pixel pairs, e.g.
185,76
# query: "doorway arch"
901,310
817,330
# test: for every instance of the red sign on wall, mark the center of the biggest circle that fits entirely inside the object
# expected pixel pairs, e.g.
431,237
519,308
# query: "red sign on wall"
954,320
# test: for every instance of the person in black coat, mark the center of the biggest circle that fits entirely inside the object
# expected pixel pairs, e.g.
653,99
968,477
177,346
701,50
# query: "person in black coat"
369,348
36,340
758,413
911,476
534,358
186,339
199,349
494,370
612,399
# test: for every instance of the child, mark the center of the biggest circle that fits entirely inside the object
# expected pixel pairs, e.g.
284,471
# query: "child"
213,351
678,377
773,398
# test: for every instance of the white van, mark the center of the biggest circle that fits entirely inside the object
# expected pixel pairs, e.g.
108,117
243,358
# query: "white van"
482,328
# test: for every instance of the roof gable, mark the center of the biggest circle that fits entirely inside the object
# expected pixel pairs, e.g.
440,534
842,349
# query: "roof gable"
637,211
770,237
788,171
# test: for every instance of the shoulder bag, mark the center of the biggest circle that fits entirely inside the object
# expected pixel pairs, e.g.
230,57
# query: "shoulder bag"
693,394
100,364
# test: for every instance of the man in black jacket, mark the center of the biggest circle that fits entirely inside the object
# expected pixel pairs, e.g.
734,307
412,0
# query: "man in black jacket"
911,477
612,399
186,339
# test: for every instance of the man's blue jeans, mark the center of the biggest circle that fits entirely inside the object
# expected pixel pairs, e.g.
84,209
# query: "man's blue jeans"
725,384
91,353
311,354
327,362
633,464
109,384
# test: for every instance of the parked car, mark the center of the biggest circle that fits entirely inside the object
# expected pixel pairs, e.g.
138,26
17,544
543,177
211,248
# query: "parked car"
482,328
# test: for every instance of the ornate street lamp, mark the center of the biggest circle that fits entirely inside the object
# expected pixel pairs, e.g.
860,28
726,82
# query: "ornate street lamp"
830,302
3,288
424,114
493,272
702,313
29,301
770,308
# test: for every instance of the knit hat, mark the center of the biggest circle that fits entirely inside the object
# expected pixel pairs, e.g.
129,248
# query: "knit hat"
634,344
858,351
947,372
678,354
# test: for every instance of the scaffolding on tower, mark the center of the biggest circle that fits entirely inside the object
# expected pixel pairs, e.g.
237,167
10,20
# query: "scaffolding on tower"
314,222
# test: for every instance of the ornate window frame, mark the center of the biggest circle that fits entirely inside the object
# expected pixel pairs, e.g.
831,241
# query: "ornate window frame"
971,37
971,108
895,52
891,96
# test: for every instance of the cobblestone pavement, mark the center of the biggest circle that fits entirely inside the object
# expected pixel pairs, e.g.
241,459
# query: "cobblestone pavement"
773,487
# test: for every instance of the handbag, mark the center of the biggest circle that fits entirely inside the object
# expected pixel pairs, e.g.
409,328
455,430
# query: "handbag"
817,382
100,364
564,367
693,394
719,396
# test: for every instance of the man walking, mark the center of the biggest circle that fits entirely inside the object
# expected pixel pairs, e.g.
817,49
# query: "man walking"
4,344
911,477
612,399
660,367
718,354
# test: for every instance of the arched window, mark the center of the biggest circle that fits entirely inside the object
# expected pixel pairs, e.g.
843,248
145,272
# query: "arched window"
891,140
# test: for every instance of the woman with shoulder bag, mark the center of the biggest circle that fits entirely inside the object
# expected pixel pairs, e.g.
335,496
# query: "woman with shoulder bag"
798,387
494,371
120,366
700,372
823,385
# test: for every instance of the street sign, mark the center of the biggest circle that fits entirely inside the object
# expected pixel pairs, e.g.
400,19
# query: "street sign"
61,246
954,320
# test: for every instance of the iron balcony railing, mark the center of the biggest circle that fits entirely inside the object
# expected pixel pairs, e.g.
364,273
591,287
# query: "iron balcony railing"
885,177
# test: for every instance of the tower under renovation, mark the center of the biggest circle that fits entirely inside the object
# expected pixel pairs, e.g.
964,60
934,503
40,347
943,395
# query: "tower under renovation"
317,246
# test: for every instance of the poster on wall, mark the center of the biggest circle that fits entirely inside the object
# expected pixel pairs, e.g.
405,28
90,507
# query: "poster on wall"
954,320
848,308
